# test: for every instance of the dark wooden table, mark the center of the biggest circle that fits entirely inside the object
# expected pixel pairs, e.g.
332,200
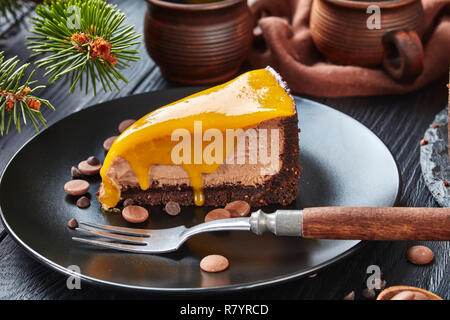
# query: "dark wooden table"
399,121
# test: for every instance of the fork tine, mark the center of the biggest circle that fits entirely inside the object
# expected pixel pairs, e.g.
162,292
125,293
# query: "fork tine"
114,236
112,245
119,230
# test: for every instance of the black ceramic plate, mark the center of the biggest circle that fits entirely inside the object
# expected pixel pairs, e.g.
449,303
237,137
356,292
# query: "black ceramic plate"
344,164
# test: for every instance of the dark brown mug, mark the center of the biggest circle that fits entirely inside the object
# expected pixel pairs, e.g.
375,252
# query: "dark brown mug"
198,43
340,32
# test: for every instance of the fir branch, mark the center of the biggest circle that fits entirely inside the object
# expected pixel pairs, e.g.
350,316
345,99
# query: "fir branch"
85,40
17,102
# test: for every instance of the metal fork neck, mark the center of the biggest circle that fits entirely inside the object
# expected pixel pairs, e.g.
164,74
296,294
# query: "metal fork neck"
280,223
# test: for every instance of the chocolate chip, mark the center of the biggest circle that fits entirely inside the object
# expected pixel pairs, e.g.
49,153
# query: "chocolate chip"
108,142
217,214
135,214
76,187
93,161
423,142
382,285
172,208
369,293
435,125
419,255
350,296
238,208
125,124
128,202
75,172
83,202
72,224
88,169
214,263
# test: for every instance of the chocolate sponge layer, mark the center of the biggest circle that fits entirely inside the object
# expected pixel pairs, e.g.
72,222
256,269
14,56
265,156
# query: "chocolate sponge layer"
281,188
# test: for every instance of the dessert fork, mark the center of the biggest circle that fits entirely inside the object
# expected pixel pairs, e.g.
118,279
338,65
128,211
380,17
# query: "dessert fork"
346,223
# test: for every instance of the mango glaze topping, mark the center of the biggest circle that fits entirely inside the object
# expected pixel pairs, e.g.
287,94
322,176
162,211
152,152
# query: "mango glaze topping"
246,101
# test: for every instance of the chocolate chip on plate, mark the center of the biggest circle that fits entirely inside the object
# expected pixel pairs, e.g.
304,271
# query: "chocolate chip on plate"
238,208
93,161
125,124
214,263
72,223
108,142
135,214
89,169
419,255
75,172
83,202
128,202
350,296
172,208
217,214
76,187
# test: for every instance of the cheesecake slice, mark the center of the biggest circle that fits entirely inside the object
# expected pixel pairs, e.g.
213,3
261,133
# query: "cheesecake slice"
235,141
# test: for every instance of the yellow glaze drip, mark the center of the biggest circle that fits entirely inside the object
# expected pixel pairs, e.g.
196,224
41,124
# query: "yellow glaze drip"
246,101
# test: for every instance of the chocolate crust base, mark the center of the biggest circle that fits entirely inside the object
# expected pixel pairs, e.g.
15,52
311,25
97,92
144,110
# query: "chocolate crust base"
281,188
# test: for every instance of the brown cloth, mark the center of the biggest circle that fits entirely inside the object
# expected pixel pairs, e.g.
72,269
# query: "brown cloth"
290,51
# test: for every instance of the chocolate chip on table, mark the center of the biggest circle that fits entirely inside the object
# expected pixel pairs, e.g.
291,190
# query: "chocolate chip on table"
419,255
125,124
238,208
72,223
108,142
128,202
135,214
88,169
217,214
93,161
76,187
172,208
423,142
382,285
83,202
214,263
369,293
75,172
350,296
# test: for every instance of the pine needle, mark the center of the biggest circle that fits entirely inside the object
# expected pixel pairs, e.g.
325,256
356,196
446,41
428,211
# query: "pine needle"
17,102
84,40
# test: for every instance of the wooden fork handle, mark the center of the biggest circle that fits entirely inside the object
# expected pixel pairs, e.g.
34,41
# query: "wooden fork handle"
376,223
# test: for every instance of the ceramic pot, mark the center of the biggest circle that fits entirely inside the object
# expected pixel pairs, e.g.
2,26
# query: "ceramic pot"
198,43
345,32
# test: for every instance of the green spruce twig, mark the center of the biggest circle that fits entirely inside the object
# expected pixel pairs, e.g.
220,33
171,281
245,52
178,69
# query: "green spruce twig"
85,40
17,102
